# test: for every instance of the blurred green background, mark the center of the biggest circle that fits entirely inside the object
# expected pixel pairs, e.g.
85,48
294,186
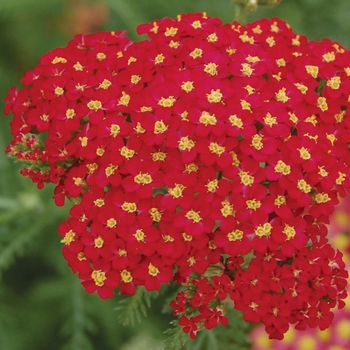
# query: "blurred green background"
42,305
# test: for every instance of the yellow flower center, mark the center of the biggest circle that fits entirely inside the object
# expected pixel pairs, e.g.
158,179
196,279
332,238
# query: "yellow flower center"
270,120
114,129
160,127
304,153
235,235
211,68
127,152
105,84
186,144
227,209
99,202
312,70
58,60
263,230
280,200
194,216
176,191
143,178
129,207
59,91
70,113
101,56
94,105
246,179
329,57
236,121
191,260
322,198
282,167
289,231
159,59
212,185
109,171
124,100
322,104
256,142
69,237
212,38
304,186
134,79
111,223
253,204
215,96
126,276
187,86
196,53
215,148
158,156
99,277
167,102
334,83
155,214
247,69
99,242
140,235
281,96
152,270
207,119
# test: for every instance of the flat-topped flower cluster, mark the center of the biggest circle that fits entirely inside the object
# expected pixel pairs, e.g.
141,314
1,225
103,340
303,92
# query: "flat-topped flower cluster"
209,154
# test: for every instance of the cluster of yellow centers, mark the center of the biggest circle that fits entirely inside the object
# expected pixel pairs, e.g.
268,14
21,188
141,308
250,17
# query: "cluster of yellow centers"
282,167
94,105
129,207
235,235
207,119
263,230
303,186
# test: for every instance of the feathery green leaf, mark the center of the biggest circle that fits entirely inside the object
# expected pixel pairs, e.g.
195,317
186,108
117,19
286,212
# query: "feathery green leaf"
132,309
176,338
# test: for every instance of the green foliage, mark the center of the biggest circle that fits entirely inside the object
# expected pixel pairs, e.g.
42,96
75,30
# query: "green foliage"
176,339
131,309
42,305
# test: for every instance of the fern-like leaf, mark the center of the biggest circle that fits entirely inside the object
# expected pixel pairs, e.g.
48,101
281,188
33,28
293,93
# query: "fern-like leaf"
78,324
176,338
132,309
18,244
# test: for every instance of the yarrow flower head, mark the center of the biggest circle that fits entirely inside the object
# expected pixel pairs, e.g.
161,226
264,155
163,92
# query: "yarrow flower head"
204,145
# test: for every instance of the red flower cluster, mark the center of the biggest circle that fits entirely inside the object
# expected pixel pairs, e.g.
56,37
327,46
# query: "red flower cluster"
187,151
